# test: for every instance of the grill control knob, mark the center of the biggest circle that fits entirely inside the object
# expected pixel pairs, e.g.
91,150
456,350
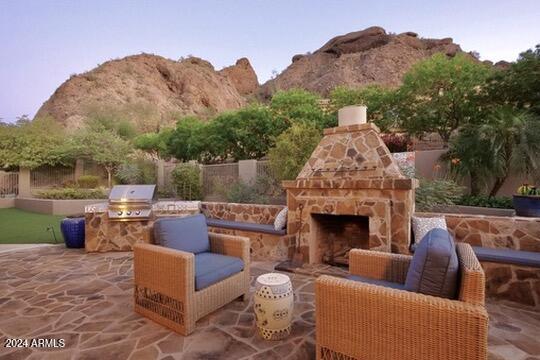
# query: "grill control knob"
128,213
120,213
138,212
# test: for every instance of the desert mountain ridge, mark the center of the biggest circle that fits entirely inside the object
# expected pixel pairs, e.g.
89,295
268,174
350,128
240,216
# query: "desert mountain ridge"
150,90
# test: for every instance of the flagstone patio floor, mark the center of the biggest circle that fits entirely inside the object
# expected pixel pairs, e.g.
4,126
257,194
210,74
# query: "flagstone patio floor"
86,299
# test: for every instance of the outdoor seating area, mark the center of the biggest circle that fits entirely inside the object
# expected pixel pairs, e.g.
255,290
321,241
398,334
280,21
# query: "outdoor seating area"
87,299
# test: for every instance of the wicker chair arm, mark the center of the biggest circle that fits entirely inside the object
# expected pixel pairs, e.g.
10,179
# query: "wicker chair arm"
167,271
379,265
366,321
232,245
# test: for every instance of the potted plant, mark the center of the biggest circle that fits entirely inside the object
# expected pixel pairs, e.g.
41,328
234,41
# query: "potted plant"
527,201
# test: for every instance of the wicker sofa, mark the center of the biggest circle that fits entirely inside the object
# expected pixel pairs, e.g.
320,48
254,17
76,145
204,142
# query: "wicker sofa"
365,321
165,290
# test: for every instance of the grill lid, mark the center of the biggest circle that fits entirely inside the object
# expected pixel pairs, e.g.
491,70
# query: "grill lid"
133,193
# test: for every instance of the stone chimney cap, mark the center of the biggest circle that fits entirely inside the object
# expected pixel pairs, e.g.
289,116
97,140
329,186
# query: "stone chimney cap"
352,115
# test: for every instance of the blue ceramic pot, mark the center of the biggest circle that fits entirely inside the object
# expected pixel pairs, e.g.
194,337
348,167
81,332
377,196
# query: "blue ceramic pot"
73,232
527,205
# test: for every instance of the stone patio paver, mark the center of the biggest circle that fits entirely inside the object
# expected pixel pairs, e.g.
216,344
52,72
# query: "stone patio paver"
86,299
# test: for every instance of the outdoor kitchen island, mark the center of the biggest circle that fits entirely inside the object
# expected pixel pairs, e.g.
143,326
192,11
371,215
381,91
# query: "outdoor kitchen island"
129,217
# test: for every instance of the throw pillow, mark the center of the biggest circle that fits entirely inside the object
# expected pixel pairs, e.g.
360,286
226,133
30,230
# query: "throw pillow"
422,225
281,219
434,266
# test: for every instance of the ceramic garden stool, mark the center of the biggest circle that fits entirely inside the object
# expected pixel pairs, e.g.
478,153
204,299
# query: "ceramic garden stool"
273,307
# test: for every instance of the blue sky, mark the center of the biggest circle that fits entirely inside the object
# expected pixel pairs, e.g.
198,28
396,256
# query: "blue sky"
43,42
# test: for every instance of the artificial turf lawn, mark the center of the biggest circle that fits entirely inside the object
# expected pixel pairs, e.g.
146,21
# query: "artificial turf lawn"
24,227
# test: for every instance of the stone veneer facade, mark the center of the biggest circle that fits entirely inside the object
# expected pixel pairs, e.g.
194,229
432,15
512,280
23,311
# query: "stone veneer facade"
351,172
102,235
515,283
264,247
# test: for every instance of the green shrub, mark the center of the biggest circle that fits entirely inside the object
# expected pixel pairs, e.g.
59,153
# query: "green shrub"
264,190
140,171
243,193
72,194
88,181
186,180
501,202
437,192
293,148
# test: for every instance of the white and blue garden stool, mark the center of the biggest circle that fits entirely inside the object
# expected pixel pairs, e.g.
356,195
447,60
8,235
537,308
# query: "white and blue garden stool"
274,301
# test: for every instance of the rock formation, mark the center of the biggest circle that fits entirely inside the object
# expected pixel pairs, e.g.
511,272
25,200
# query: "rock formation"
149,90
242,76
370,56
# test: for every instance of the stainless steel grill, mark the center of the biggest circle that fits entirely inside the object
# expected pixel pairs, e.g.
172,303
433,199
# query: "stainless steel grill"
131,202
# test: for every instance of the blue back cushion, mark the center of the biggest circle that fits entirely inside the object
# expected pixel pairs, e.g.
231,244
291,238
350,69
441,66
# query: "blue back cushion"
434,267
188,233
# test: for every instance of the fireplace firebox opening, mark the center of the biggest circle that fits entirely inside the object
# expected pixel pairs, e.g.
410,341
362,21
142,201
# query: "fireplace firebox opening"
336,235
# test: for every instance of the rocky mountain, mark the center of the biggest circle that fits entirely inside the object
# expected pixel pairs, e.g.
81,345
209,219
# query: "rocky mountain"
370,56
149,89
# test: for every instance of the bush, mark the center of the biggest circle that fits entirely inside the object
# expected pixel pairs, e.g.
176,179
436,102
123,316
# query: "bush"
88,181
186,179
437,192
293,148
501,202
72,194
264,190
243,193
140,171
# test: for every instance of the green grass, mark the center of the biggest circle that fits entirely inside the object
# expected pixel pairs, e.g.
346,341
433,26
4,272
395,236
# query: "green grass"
23,227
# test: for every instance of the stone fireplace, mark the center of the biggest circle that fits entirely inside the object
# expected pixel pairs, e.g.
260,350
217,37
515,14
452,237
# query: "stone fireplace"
350,194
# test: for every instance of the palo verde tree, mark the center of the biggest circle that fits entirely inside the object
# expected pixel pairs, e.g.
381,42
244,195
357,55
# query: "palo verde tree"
103,146
32,143
442,94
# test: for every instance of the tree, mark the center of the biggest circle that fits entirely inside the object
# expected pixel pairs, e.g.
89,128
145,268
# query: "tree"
296,105
508,142
441,94
102,146
292,150
154,144
519,85
382,103
32,143
188,141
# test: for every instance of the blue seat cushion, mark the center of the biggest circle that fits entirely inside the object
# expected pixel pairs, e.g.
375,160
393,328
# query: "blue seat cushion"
434,266
245,226
384,283
211,268
188,233
508,256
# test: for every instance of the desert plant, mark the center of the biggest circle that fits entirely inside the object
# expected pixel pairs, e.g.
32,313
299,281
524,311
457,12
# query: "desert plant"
293,148
138,171
498,202
88,181
186,179
431,193
240,192
72,193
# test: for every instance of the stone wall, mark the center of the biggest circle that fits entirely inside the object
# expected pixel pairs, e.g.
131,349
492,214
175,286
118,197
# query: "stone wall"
264,247
517,233
251,213
514,283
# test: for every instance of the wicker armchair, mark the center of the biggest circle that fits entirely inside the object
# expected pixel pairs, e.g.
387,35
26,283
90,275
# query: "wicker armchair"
165,283
363,321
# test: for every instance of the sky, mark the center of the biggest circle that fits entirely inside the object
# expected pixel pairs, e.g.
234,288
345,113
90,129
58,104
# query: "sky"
43,42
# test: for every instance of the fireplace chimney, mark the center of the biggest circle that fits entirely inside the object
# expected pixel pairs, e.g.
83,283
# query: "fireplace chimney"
352,115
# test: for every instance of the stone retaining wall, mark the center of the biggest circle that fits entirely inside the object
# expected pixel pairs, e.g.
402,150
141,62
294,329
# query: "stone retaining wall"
517,233
251,213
